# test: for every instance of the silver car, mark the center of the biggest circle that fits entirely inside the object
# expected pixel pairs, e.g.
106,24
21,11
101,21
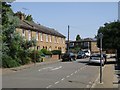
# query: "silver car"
95,58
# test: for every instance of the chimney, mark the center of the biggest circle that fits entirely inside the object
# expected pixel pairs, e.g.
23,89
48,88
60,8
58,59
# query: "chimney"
20,15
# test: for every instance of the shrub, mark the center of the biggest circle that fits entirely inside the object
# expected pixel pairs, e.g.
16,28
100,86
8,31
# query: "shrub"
8,62
44,51
35,56
56,52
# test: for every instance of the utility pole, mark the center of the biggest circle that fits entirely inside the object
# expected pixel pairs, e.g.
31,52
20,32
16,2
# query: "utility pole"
68,39
100,36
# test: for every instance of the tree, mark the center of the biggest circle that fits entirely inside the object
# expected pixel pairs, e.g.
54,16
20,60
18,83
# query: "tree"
111,36
78,38
15,49
29,18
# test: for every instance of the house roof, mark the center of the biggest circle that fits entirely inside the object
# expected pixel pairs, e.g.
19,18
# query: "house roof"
83,40
40,28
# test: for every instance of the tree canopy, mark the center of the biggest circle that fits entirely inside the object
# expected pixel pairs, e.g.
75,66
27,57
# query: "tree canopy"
15,49
111,35
29,18
78,38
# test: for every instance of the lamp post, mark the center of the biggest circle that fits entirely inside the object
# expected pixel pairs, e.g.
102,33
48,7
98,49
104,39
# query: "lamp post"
100,35
68,39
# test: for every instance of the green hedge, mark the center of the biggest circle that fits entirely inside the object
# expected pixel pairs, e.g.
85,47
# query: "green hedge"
56,52
46,52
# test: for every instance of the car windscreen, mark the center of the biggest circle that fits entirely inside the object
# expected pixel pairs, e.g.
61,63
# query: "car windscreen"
80,52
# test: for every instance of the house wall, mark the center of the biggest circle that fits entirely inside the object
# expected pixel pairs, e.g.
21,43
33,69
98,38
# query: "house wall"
57,43
94,48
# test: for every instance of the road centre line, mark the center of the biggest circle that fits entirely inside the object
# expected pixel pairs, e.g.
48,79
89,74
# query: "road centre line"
71,74
49,86
62,79
57,82
67,76
75,71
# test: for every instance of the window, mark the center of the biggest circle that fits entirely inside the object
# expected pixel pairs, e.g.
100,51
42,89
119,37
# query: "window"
38,47
29,35
37,36
50,38
50,48
62,40
46,38
41,36
55,39
23,32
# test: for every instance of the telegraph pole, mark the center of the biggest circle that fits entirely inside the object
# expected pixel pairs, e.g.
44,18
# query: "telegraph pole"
68,39
100,36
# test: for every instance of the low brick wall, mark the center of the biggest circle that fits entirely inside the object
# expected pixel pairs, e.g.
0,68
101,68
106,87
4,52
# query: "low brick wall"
55,57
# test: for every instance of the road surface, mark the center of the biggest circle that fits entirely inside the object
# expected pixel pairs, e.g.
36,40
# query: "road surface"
76,74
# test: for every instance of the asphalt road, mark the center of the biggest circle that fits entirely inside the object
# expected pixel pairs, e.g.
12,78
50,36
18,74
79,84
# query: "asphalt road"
76,74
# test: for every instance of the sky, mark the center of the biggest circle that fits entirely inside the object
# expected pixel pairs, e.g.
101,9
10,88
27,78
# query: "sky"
84,18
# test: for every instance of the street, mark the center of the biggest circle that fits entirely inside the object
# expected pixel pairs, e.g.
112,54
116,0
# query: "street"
76,74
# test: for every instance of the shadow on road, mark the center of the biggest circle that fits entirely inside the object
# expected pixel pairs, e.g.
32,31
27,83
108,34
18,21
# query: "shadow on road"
111,62
87,63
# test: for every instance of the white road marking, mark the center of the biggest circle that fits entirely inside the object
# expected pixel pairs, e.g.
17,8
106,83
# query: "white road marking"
75,71
88,86
57,82
57,68
71,74
68,76
95,81
45,68
51,68
49,86
62,79
90,82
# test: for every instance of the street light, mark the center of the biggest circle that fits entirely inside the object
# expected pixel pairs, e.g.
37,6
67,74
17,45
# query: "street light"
100,35
68,39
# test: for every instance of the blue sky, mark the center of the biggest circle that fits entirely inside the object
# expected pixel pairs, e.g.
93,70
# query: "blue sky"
84,18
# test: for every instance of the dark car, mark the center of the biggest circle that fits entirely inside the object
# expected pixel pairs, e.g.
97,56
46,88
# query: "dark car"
105,56
81,54
68,57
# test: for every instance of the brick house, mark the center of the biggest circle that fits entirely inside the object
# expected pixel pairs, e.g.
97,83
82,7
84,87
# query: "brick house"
47,38
87,43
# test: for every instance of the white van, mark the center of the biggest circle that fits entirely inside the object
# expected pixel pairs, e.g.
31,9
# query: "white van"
87,52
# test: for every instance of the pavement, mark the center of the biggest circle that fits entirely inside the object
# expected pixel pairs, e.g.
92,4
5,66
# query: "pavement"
110,76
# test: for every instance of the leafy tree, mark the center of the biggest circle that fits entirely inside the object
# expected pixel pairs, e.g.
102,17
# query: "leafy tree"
29,18
15,50
111,36
78,38
111,32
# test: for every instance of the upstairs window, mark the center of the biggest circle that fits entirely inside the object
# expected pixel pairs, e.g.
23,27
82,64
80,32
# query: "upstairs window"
29,35
46,38
37,36
23,32
41,36
50,38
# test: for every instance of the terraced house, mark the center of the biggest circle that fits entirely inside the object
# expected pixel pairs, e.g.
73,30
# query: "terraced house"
47,38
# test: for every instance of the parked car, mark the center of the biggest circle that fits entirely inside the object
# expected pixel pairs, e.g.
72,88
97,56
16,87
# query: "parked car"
81,54
87,52
68,56
95,58
105,56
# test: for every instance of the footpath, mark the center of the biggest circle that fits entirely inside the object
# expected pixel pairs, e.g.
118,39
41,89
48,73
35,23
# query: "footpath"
10,70
110,76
